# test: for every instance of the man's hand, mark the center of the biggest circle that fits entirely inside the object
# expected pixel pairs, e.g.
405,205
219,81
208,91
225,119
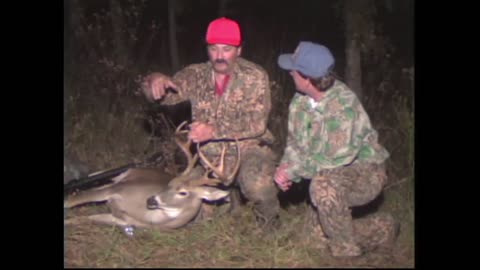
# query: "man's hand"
200,132
281,177
155,85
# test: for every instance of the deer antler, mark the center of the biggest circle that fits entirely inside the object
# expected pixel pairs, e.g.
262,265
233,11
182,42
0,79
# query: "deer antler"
185,146
219,170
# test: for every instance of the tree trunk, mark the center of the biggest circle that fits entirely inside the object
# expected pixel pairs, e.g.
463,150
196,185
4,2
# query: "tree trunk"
118,24
353,64
353,67
172,29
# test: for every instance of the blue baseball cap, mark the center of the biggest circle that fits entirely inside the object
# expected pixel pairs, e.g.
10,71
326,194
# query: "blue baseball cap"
311,59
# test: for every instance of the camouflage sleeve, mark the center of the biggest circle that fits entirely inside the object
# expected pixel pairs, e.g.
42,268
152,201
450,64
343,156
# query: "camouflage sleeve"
185,79
291,156
293,159
342,140
251,115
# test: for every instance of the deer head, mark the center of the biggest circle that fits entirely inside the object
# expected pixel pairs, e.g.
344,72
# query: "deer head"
191,182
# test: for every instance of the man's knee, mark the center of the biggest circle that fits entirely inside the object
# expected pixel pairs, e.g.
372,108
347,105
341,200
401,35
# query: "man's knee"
354,185
259,194
368,184
255,177
325,192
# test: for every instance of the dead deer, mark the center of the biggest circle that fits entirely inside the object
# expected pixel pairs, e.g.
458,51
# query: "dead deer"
151,198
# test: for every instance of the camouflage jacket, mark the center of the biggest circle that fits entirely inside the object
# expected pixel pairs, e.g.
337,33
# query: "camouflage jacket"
242,111
332,132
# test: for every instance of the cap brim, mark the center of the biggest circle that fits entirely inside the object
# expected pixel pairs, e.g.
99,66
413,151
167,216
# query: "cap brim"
285,61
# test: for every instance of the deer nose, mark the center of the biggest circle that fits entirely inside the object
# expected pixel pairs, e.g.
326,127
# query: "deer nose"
152,203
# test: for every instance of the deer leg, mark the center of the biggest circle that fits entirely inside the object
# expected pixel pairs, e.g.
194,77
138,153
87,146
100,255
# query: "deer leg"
107,219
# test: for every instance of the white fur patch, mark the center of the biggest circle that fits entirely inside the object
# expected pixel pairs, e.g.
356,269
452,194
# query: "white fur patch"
171,212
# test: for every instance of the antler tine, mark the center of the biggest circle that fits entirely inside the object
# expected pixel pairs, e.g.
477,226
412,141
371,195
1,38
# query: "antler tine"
185,146
181,126
219,171
237,165
208,163
222,158
205,180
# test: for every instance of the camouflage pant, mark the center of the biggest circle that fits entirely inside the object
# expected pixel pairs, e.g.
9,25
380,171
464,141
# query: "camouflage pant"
255,180
333,192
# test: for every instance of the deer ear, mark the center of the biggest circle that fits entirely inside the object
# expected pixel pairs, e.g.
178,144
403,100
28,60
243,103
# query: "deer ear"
212,194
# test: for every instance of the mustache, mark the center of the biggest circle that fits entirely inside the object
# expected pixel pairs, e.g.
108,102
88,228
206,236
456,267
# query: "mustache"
221,61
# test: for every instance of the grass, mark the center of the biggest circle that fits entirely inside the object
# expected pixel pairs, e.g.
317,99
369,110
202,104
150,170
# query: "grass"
222,242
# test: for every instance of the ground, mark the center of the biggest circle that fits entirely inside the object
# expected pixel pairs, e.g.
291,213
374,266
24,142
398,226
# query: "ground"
226,241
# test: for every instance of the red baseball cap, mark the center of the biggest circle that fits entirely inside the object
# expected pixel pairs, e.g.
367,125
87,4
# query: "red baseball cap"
224,31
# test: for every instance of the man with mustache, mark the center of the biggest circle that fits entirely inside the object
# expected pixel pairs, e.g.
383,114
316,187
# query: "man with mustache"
230,98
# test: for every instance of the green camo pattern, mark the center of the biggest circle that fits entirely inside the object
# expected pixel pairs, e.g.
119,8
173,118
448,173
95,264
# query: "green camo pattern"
333,132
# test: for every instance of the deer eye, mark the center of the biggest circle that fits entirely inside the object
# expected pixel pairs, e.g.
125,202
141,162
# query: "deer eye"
183,193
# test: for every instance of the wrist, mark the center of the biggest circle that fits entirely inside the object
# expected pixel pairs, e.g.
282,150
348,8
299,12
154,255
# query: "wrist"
289,172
